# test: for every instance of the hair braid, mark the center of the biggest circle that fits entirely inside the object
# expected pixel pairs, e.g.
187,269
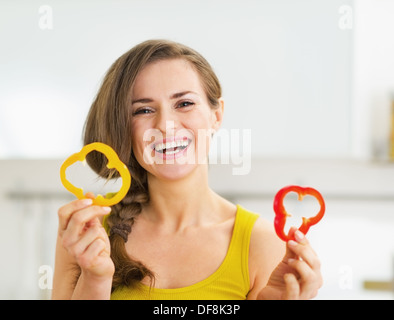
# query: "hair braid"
120,222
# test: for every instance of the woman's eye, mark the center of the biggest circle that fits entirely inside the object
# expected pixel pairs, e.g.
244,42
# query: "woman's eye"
142,111
184,104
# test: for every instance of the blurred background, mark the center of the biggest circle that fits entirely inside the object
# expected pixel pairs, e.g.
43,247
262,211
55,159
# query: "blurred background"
310,82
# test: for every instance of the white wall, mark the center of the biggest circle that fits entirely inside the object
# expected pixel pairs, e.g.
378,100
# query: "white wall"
284,66
373,74
311,91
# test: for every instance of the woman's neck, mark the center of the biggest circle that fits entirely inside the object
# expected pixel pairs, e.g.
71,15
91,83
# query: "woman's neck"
180,203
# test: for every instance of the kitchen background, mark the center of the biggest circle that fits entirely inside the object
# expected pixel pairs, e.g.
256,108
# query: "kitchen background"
311,82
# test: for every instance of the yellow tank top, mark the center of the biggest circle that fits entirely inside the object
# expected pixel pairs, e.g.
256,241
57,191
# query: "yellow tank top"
229,282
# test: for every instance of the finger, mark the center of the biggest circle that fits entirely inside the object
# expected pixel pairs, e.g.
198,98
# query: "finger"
300,238
93,222
292,287
66,211
289,252
89,195
98,248
305,252
307,265
83,216
310,281
88,237
89,258
79,220
306,274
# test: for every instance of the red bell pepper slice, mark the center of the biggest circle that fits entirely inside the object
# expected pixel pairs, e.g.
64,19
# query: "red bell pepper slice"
281,214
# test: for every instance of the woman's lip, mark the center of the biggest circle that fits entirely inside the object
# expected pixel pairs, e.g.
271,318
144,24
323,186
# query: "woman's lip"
169,140
172,139
178,154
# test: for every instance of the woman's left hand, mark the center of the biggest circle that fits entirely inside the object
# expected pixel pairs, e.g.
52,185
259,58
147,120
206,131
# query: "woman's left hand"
298,275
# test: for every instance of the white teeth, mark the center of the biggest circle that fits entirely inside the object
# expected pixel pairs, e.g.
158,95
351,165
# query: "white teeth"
171,145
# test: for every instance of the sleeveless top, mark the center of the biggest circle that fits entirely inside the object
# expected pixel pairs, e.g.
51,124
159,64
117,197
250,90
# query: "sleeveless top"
229,282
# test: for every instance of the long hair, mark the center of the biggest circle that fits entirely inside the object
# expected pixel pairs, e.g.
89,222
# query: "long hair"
109,122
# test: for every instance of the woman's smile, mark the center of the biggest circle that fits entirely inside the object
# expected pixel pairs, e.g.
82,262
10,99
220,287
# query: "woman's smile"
172,147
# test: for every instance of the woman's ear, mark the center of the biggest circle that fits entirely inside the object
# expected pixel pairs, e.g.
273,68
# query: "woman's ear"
218,115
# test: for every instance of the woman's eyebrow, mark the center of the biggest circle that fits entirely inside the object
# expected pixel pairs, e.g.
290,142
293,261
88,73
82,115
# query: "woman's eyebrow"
143,100
181,94
173,96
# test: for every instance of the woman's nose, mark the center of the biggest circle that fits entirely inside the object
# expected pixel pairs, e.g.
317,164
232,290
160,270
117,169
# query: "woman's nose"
166,122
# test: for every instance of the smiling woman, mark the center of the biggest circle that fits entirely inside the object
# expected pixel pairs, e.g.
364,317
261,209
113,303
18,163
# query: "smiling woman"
171,237
178,75
174,115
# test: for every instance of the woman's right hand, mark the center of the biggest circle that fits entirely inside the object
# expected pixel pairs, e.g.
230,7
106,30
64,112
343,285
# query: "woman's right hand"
84,238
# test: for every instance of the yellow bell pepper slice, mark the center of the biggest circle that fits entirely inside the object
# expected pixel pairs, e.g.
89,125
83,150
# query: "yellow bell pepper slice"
113,163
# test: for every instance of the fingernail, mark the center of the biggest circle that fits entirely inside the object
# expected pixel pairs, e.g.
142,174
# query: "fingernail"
87,202
299,235
292,243
107,209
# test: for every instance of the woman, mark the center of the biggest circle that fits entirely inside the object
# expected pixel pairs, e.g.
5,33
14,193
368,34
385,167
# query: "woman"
172,237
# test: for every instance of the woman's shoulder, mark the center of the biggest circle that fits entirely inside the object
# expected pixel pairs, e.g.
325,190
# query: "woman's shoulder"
263,232
264,236
266,251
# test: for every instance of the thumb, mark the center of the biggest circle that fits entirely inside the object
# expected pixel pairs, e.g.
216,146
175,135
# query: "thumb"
90,195
289,252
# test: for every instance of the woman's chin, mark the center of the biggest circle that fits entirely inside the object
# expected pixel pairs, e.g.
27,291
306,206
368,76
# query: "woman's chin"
172,167
172,171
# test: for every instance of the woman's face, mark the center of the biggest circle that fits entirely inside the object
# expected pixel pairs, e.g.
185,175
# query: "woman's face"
172,122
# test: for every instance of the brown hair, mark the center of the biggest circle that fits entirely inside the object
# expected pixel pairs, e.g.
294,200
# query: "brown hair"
108,121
